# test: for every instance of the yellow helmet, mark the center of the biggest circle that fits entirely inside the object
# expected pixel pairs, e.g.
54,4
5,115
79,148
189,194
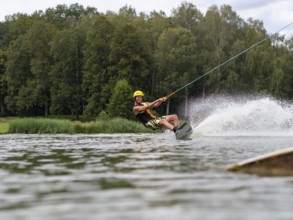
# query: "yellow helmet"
138,93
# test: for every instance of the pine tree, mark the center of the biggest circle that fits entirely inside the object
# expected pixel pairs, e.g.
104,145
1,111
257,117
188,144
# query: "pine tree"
120,104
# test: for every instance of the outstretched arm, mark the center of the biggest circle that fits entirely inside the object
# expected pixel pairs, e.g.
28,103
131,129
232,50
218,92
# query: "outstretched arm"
160,100
149,105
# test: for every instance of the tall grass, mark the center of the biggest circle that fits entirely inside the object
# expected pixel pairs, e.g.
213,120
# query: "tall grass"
40,126
115,125
4,126
57,126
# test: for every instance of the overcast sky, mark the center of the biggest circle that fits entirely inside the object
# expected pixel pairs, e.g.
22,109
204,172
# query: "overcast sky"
274,13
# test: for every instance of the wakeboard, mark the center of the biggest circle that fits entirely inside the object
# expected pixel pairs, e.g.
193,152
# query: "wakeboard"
184,132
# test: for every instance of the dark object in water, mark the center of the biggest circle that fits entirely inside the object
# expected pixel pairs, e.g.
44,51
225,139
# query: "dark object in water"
279,163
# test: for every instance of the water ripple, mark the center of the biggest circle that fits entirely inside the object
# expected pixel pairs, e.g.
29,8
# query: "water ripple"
137,176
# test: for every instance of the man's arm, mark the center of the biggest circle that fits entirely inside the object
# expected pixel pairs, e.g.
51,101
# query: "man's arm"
149,105
159,101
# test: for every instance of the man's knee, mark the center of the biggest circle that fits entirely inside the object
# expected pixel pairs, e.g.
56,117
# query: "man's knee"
163,121
174,117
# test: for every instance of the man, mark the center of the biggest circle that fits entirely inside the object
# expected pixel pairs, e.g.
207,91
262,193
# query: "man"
142,111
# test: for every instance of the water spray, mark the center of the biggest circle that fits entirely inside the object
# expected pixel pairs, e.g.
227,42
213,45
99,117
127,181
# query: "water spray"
242,116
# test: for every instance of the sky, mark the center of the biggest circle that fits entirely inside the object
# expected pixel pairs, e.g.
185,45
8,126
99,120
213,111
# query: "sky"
275,14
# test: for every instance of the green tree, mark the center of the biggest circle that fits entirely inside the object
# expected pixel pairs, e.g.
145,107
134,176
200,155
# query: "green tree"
17,25
18,72
265,69
156,24
288,69
3,81
223,37
38,37
175,61
66,73
121,101
130,58
95,68
68,59
28,66
187,16
126,15
63,16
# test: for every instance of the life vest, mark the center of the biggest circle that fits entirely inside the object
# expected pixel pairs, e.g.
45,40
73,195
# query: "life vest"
145,116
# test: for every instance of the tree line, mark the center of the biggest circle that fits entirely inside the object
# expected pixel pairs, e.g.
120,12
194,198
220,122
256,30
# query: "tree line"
71,60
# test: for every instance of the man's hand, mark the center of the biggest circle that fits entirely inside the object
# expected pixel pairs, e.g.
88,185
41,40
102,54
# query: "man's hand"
163,99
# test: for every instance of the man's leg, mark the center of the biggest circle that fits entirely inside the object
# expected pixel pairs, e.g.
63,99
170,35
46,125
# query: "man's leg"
170,118
165,123
173,118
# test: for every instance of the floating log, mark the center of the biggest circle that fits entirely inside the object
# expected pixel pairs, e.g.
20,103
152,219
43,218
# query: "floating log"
279,163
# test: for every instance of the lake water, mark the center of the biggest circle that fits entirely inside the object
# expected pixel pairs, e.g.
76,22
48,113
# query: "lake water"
138,176
153,176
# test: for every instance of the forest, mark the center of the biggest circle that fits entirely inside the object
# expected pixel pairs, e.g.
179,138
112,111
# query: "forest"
72,60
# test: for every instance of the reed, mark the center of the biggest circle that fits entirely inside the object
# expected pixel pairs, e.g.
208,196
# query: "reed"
40,126
115,125
4,126
57,126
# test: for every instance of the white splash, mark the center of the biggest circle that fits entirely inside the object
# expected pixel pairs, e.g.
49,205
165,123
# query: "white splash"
241,116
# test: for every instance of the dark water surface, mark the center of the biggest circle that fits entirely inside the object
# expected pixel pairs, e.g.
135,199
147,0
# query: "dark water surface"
145,176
